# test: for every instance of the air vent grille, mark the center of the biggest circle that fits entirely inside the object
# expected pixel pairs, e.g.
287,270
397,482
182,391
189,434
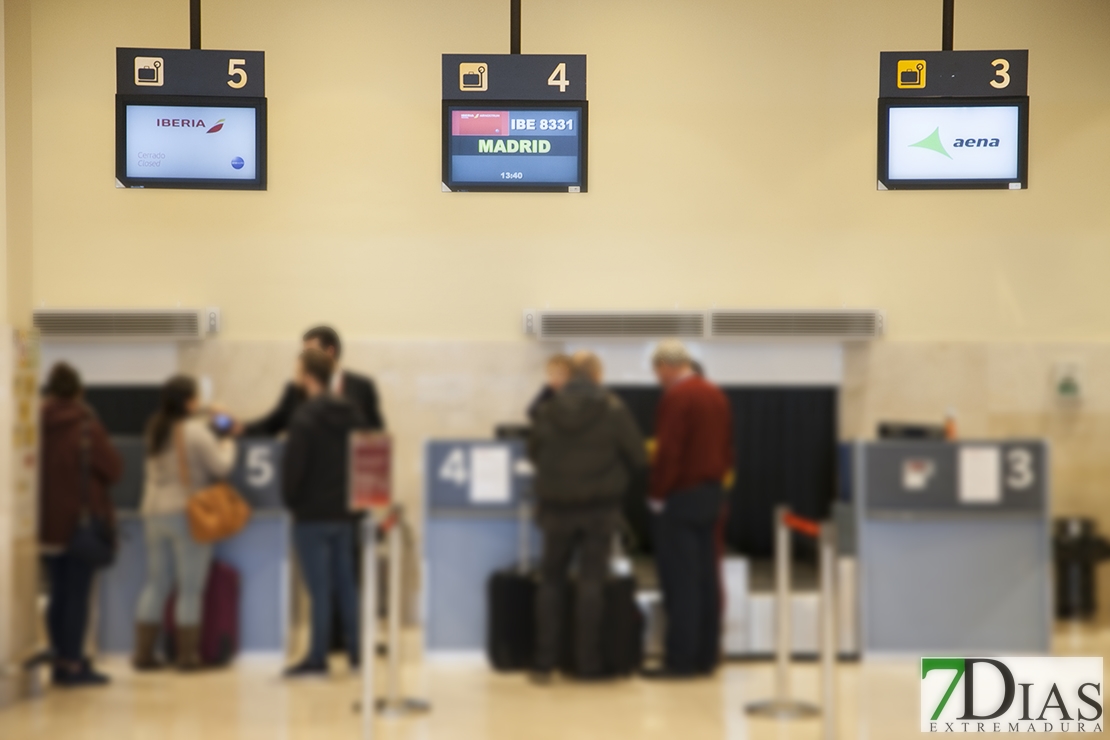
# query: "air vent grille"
615,325
123,324
860,324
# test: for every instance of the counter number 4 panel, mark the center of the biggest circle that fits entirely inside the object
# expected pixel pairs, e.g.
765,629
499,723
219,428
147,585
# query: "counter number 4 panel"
515,123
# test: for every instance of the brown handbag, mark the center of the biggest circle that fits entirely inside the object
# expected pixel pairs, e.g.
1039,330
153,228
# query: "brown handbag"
215,513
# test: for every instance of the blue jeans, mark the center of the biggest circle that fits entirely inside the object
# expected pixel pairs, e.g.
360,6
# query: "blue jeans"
326,552
189,570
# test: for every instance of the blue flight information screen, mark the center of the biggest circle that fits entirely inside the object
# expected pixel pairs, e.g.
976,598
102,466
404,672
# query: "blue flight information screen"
501,149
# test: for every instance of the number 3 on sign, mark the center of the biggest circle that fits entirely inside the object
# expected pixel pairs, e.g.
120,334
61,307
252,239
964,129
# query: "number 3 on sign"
558,78
1002,72
1020,475
235,69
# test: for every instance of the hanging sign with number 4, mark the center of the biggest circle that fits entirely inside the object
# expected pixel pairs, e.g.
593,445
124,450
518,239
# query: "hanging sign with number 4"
514,77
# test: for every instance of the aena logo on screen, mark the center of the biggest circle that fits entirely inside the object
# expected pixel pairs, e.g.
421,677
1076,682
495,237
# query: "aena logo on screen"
190,123
933,143
1011,695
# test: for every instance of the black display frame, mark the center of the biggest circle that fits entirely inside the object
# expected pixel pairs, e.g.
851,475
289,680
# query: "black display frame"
1022,104
260,121
583,108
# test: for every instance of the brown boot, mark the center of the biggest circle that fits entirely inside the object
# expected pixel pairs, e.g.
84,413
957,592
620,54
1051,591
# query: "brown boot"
188,648
146,637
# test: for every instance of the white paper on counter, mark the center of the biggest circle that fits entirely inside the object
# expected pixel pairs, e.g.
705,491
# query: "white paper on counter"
489,475
980,475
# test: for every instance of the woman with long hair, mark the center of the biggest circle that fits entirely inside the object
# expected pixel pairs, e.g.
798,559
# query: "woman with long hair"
183,456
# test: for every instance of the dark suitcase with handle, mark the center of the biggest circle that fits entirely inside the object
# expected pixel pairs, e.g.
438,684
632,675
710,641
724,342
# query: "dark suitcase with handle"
511,608
511,640
622,631
622,624
219,627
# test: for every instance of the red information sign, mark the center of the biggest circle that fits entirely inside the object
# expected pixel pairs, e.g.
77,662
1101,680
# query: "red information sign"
371,470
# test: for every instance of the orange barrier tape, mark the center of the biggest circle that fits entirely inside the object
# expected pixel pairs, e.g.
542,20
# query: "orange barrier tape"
389,522
802,525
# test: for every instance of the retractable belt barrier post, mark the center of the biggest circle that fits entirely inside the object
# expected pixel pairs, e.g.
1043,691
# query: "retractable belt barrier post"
828,630
782,706
369,637
395,705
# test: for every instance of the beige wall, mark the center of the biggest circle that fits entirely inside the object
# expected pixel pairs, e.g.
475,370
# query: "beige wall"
18,412
16,158
732,163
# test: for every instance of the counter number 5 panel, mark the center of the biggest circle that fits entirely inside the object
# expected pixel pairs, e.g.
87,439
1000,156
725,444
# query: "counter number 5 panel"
190,118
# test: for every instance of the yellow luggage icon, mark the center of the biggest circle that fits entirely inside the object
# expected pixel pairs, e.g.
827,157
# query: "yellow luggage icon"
911,74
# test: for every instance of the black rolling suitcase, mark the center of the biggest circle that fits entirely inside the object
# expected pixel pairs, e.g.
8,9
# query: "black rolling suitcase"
511,607
622,626
622,631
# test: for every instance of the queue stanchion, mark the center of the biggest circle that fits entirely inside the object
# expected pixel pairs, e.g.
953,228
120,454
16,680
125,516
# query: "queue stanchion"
781,706
395,704
828,630
370,491
369,614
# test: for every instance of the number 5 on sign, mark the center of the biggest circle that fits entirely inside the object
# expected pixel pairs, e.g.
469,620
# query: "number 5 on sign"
558,78
235,69
260,467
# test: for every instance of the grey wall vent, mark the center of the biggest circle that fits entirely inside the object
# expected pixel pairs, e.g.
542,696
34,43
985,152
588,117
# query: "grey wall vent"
163,324
789,324
614,324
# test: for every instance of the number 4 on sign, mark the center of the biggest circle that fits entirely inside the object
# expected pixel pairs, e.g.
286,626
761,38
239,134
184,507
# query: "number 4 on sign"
558,78
453,468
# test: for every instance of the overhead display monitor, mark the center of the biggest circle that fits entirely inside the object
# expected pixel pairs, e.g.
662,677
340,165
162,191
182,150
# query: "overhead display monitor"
953,143
515,147
191,142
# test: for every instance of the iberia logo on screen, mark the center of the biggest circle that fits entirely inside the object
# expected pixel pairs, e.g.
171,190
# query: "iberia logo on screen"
193,123
1011,695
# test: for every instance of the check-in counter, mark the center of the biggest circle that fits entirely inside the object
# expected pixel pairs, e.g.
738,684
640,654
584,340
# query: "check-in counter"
261,552
473,490
954,547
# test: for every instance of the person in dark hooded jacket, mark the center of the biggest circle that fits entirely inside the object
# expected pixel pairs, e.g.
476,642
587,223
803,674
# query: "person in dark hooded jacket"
70,477
314,488
585,446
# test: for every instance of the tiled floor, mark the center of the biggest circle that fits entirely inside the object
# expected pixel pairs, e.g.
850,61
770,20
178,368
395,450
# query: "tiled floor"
877,701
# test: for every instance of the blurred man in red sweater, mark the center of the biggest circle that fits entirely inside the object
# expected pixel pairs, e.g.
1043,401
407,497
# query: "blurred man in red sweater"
693,432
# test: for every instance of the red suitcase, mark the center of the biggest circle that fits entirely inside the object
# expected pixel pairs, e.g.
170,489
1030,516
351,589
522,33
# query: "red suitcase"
219,630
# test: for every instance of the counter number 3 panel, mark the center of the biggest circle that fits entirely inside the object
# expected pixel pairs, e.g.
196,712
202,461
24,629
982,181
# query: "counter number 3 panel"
953,120
190,118
515,123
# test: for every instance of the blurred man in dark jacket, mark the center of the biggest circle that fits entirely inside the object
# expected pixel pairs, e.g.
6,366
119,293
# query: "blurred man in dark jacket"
314,488
358,389
585,446
558,373
79,464
692,457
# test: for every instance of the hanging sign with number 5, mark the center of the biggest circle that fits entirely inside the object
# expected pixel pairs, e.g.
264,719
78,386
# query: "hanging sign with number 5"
203,72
